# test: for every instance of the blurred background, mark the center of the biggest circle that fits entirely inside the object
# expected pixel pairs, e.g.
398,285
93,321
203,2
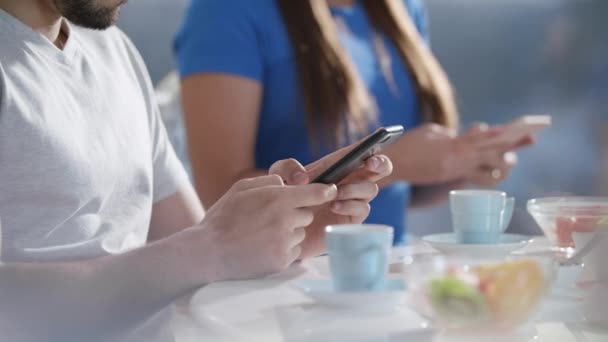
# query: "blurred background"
506,58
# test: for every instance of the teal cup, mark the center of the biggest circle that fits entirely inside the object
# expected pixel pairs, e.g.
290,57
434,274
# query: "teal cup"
480,216
359,256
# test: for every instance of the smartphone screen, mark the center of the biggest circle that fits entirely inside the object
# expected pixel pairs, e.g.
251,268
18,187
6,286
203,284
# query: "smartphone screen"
371,145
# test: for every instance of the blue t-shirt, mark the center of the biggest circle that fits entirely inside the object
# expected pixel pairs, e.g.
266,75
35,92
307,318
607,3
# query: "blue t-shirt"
248,38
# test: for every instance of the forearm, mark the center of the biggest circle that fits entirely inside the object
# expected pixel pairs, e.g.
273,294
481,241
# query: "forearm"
95,299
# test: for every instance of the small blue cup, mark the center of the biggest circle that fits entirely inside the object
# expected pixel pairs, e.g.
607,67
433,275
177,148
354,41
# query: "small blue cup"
480,216
359,256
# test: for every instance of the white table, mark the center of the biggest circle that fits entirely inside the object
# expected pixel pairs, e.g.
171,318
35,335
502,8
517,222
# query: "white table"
272,310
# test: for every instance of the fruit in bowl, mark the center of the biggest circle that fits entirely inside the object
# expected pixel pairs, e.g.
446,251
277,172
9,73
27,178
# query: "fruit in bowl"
564,220
475,296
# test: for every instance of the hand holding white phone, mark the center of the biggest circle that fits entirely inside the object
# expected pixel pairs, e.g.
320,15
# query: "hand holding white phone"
518,129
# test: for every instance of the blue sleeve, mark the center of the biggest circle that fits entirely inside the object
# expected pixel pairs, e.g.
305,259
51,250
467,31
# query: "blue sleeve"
219,36
417,10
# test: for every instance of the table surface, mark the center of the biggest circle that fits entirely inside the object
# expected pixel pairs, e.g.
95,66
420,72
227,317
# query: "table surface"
271,309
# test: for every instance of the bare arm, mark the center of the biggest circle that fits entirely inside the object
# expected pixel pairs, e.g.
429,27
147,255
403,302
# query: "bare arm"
96,299
89,300
221,114
176,213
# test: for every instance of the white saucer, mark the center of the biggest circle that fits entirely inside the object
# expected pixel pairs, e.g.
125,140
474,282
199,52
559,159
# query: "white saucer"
447,244
323,292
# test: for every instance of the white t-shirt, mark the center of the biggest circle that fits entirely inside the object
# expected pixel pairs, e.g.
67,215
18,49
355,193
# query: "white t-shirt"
83,152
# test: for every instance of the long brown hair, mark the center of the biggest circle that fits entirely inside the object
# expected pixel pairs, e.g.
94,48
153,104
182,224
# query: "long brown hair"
331,87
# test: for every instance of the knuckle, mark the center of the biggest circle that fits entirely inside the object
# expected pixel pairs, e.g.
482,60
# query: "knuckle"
344,191
275,179
307,217
297,251
282,164
281,256
366,209
320,195
300,235
375,190
241,184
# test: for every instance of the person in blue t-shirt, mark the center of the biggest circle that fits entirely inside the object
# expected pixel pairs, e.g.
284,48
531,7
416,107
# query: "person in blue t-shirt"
266,80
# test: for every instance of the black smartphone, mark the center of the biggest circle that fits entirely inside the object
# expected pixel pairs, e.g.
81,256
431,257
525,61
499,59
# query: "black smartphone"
371,145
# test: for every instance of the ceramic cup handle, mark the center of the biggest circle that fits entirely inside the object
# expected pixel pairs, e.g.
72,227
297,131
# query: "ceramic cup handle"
508,212
378,250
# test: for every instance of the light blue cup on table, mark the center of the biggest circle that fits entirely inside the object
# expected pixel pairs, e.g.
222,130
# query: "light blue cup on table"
480,216
359,256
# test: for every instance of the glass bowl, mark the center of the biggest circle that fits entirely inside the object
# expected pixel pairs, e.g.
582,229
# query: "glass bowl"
475,296
569,222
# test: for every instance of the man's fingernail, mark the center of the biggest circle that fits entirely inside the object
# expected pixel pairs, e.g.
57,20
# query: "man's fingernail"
299,176
331,191
375,163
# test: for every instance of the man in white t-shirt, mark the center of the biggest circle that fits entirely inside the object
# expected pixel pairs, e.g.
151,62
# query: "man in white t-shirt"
101,229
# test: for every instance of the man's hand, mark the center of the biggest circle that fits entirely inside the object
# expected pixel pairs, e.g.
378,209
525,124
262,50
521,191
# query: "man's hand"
257,227
351,204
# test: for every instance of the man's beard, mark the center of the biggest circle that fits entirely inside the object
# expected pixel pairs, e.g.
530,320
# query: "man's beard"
87,13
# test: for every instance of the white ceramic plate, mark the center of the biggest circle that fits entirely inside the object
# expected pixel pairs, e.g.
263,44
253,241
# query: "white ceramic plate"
322,292
447,244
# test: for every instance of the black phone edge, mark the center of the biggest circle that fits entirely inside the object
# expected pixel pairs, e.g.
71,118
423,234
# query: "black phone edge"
375,138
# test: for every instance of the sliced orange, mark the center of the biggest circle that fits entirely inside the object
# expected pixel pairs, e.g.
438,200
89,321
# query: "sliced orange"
512,289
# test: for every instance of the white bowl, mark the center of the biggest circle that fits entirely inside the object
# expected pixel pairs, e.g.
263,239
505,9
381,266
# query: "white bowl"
480,296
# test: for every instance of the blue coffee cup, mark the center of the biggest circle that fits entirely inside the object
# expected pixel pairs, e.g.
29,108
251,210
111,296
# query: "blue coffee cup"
359,256
480,216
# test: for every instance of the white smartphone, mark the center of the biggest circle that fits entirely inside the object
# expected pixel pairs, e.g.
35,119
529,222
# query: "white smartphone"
516,130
